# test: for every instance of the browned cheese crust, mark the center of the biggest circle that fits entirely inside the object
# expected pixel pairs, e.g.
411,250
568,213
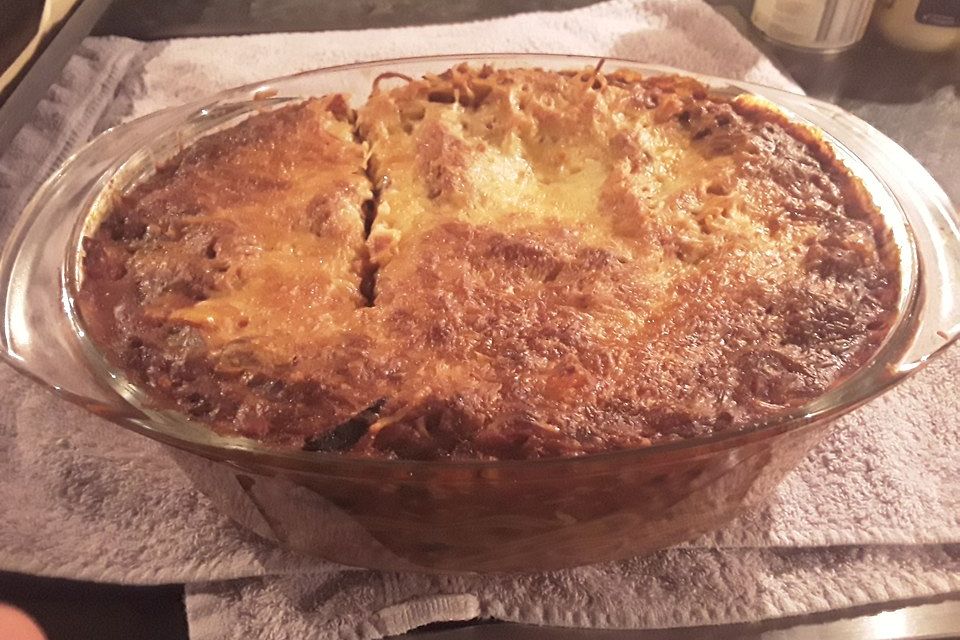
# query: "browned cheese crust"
552,264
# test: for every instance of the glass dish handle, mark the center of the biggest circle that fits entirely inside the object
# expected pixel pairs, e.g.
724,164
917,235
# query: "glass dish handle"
38,338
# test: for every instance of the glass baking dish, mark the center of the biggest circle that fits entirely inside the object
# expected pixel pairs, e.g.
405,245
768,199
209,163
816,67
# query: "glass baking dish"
462,516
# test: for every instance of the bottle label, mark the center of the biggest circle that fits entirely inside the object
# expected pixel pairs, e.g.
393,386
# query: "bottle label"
792,21
940,13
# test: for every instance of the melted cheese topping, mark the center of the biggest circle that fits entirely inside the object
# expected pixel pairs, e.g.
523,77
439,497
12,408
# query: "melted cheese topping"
558,264
576,158
286,258
550,151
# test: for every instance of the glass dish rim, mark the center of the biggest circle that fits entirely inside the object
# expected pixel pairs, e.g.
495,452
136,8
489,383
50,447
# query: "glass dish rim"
832,403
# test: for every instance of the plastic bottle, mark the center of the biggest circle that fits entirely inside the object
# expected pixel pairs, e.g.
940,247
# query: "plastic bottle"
919,25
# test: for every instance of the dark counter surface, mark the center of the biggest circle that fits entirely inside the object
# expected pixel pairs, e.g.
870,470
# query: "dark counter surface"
912,97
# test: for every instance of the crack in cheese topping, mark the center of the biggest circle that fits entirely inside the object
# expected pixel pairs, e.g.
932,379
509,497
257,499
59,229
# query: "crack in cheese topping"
557,264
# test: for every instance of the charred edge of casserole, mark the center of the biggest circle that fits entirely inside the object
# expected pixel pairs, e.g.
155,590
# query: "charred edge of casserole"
347,433
851,187
858,203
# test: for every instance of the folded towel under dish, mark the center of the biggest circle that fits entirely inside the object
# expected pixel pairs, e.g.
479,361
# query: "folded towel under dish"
674,588
873,515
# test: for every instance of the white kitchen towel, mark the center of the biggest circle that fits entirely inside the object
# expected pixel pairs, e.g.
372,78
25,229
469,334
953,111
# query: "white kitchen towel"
84,499
673,588
64,120
686,34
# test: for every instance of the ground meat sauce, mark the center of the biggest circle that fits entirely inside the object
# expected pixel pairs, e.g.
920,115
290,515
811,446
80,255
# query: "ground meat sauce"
493,264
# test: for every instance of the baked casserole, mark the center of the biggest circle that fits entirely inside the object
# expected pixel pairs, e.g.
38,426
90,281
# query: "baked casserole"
494,263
